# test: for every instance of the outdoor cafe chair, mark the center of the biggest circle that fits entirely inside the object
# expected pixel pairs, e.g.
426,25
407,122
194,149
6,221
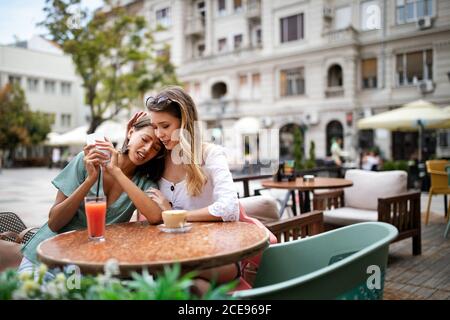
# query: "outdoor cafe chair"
346,263
307,224
374,196
439,183
13,229
13,233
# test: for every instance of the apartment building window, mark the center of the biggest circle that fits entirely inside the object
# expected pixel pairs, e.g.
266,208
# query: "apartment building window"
222,44
369,73
14,79
335,76
237,41
50,86
201,50
201,9
342,17
163,17
411,10
256,86
292,82
258,36
221,7
413,67
66,119
66,88
244,88
291,28
32,84
237,5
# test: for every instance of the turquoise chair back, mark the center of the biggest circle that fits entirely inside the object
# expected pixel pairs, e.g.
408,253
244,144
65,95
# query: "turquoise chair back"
346,263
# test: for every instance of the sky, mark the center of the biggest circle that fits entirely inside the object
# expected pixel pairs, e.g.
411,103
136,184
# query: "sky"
19,18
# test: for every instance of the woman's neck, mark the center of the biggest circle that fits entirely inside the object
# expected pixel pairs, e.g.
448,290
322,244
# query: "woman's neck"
126,165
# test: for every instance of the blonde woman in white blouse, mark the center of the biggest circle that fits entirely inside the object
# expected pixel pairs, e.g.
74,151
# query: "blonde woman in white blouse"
196,175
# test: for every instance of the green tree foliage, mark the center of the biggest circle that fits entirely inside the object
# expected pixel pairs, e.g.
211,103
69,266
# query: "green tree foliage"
19,125
311,162
298,149
112,52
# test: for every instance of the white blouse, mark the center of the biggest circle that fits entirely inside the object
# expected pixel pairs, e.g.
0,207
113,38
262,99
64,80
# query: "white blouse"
219,193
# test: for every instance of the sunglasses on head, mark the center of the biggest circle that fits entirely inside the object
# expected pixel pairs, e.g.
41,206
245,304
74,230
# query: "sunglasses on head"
157,100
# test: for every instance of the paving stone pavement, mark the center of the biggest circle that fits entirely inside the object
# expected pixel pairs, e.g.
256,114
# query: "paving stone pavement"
29,193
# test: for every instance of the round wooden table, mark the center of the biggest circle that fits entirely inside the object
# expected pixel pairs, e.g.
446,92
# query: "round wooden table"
304,187
138,245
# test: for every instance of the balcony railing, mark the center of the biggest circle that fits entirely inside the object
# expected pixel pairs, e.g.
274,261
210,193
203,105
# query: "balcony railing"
332,92
195,26
343,35
218,109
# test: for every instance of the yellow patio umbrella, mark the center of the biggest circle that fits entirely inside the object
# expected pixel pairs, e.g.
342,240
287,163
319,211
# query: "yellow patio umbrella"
414,116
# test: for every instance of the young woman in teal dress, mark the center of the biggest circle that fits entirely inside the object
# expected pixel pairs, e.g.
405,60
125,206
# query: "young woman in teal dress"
135,168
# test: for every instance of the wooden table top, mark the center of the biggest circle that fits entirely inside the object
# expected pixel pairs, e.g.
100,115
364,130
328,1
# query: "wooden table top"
138,245
299,184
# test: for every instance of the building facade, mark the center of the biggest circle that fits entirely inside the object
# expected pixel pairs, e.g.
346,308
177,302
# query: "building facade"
48,79
319,65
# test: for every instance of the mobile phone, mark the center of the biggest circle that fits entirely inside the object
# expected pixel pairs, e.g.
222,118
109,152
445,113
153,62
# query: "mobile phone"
97,136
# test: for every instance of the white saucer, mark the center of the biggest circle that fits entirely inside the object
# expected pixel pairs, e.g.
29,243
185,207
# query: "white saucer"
185,228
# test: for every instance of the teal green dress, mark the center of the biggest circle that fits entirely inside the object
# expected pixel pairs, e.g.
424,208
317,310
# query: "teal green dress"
67,181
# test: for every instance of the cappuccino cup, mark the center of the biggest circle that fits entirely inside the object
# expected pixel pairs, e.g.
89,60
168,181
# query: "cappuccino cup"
174,218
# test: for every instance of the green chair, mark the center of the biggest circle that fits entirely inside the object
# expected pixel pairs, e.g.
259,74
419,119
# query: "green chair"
346,263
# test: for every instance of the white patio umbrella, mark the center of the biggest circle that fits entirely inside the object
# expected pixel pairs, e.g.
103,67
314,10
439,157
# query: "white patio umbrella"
247,125
51,139
413,116
74,137
113,130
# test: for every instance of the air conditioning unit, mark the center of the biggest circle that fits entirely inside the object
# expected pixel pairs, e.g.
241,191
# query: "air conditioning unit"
425,86
311,118
267,122
424,23
327,12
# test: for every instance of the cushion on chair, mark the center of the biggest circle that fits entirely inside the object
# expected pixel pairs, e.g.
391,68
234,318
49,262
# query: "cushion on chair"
264,208
368,186
346,216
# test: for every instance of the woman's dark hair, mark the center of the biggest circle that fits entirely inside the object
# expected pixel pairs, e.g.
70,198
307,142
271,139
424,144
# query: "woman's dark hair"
153,168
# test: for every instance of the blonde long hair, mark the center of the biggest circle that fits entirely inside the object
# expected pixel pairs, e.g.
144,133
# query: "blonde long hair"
179,104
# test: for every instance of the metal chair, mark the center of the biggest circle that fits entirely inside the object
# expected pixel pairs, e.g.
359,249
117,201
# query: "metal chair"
13,229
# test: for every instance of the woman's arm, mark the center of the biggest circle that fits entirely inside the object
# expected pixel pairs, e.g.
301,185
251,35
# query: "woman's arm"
193,215
142,202
202,215
65,207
